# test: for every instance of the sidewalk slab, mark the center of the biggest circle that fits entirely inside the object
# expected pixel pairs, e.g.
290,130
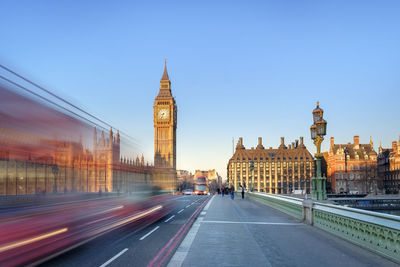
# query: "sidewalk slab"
242,232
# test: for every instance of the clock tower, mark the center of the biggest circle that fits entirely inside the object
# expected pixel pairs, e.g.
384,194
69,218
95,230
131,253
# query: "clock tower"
165,121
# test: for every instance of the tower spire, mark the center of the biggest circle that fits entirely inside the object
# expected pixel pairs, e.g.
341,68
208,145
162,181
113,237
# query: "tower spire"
165,74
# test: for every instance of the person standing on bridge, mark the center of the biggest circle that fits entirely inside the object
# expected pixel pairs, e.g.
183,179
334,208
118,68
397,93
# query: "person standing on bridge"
242,191
232,191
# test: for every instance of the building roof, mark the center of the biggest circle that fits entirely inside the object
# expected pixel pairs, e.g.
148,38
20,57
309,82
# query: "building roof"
272,153
363,149
165,76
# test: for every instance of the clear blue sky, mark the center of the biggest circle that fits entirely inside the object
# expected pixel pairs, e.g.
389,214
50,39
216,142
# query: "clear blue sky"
238,68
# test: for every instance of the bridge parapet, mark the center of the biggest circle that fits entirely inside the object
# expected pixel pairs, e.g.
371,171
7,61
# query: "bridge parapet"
289,205
375,231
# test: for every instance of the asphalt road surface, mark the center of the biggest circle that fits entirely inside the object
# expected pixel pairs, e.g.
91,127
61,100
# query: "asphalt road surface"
151,246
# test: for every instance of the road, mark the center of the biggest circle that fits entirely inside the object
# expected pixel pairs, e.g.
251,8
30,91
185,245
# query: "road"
154,244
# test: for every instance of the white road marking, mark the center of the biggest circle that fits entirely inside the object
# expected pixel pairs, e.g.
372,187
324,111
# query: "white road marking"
263,223
167,220
149,233
182,251
187,206
180,211
113,258
209,203
203,213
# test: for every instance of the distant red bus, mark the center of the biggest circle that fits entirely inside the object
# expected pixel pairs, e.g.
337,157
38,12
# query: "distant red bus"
200,186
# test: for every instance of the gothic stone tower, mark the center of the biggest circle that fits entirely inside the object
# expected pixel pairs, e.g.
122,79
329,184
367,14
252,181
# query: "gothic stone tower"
165,121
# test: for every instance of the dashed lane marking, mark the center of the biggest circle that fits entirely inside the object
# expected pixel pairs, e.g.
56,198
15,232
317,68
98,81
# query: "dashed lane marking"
149,233
113,258
180,211
170,218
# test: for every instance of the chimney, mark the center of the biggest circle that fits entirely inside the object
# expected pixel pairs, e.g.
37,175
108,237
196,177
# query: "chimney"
260,146
356,140
290,146
301,140
332,141
293,145
240,144
282,143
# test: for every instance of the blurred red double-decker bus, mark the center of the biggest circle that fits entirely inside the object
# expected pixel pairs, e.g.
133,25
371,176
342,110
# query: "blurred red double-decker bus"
200,186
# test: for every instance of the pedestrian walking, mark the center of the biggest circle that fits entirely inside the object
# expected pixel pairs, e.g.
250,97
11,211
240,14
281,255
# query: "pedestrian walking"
242,192
232,192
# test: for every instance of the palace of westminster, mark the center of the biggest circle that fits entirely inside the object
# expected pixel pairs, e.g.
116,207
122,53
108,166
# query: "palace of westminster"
31,163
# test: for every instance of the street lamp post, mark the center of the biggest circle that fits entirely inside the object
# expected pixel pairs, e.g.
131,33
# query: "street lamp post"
251,175
318,131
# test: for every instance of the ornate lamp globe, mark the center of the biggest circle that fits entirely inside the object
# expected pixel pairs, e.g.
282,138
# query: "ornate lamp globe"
317,113
321,127
313,130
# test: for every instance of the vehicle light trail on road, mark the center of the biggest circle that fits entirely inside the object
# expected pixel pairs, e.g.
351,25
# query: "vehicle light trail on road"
31,240
128,220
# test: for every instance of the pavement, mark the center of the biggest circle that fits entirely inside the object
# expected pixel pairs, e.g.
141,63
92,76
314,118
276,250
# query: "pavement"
242,232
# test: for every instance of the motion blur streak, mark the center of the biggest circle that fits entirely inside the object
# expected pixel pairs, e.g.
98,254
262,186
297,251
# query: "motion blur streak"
128,220
105,211
31,240
65,180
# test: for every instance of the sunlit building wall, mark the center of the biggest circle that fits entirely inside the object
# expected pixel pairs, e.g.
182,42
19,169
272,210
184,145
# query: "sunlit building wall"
389,168
277,171
352,167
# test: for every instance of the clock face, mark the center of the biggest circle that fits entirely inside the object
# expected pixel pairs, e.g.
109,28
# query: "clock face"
163,114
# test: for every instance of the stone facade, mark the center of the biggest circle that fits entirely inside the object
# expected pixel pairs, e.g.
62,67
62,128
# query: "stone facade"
72,168
389,168
277,171
165,123
355,172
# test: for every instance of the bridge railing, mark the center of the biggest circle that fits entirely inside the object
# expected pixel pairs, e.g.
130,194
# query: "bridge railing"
375,231
289,205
